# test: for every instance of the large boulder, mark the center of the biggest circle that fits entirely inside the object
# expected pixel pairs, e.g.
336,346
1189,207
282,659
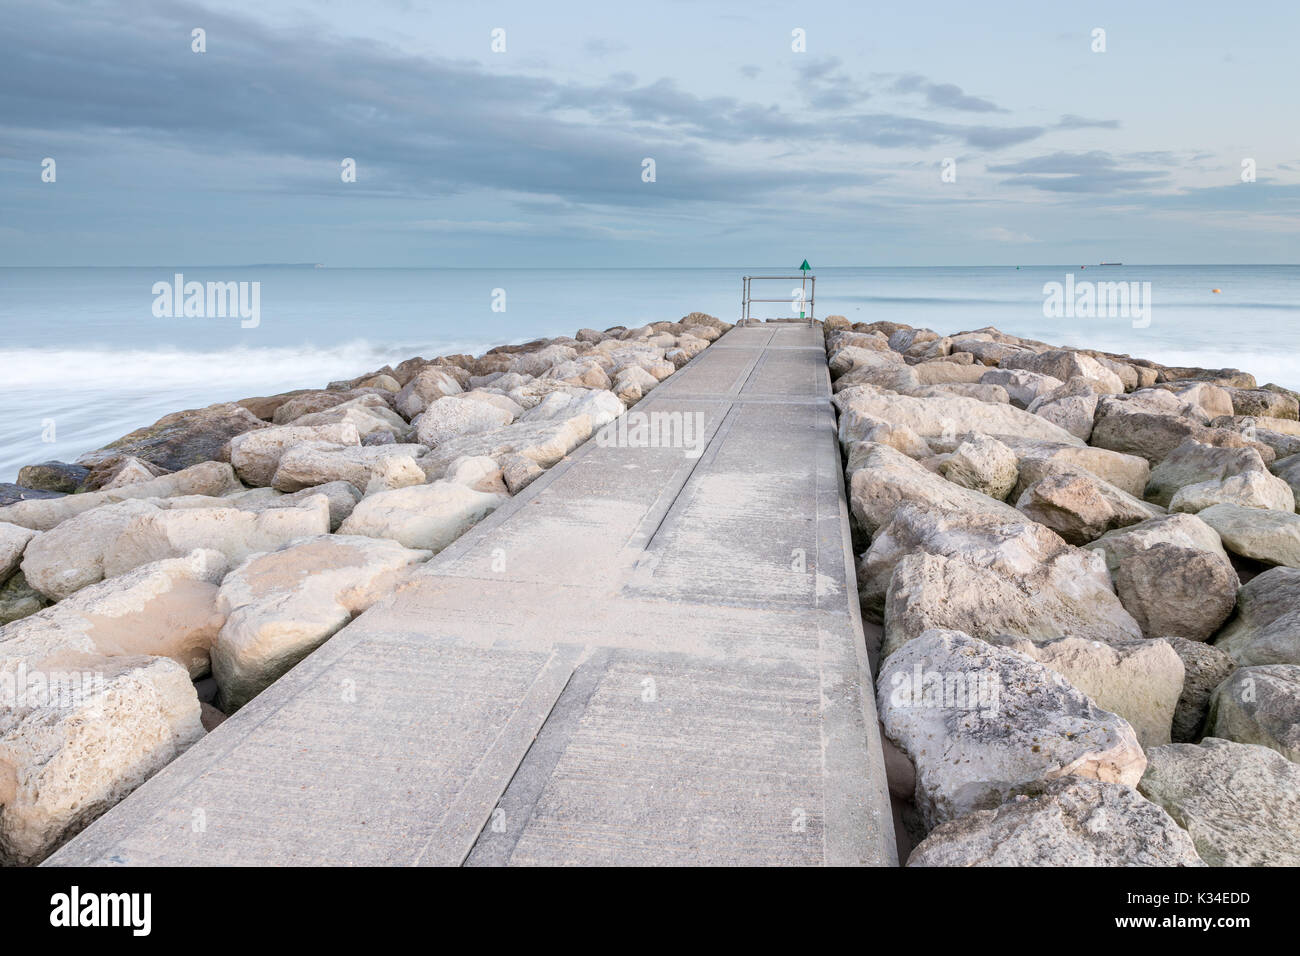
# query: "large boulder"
1153,422
881,479
1259,705
213,478
983,723
600,407
1139,680
543,442
1252,489
280,606
342,497
1066,597
1193,462
1073,406
1205,667
1268,536
18,599
84,733
1081,507
542,360
453,416
1023,387
1128,473
13,542
1266,629
1239,802
419,393
114,539
1172,574
181,439
372,419
166,608
311,402
1065,364
982,464
940,416
1263,403
256,455
428,517
61,476
1288,469
1067,822
370,468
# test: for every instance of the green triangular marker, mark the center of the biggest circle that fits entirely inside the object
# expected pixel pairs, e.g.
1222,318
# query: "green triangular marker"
805,267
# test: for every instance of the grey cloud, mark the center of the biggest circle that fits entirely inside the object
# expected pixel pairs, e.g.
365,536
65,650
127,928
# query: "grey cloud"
1091,172
944,95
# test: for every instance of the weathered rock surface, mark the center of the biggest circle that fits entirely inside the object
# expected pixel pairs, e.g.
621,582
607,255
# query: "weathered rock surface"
543,442
427,517
1023,387
1128,473
938,416
370,467
1193,463
1251,489
280,606
1259,705
1206,667
1072,406
213,478
1288,469
13,541
419,393
1139,680
66,758
181,439
1172,574
60,476
982,464
1266,628
1071,821
452,416
256,455
1065,364
987,723
114,539
166,608
1151,423
1239,802
1081,507
1268,536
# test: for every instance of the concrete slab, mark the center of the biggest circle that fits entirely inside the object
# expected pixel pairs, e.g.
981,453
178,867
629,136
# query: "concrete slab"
650,656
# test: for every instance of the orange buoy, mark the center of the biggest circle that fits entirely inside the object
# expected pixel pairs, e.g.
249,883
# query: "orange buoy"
1216,290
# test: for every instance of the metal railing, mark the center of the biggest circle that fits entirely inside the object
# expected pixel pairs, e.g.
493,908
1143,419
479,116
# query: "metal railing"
804,297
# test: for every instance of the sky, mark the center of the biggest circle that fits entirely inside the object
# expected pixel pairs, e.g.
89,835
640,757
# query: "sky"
900,134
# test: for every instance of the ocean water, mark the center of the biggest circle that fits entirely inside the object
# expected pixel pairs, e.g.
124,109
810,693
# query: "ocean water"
84,359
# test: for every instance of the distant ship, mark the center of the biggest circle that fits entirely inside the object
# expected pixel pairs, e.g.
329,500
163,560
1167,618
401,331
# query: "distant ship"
1110,263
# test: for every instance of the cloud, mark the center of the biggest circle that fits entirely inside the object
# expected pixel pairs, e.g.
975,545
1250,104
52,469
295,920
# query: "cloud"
1070,121
1092,172
944,95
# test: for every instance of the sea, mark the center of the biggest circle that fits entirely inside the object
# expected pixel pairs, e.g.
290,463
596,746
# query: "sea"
89,354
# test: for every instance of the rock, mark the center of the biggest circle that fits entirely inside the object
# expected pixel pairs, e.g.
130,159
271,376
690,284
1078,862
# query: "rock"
1205,668
632,383
313,402
371,467
1065,364
374,421
120,472
992,394
256,455
342,497
851,358
1239,802
898,437
1068,822
542,442
1072,406
67,759
1288,469
519,472
1251,489
452,416
1067,597
13,541
13,494
282,605
946,373
18,599
179,440
1172,575
944,416
1261,402
57,476
1128,473
114,539
1023,387
1193,462
480,473
1153,422
601,407
422,516
886,376
542,360
1211,399
209,478
1081,507
986,723
1259,705
884,478
1268,536
1266,629
982,464
1140,681
163,609
430,385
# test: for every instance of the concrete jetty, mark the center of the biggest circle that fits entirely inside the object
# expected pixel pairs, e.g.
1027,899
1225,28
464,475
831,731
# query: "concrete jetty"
652,655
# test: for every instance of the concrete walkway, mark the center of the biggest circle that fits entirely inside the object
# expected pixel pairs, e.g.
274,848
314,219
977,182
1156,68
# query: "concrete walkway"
644,658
